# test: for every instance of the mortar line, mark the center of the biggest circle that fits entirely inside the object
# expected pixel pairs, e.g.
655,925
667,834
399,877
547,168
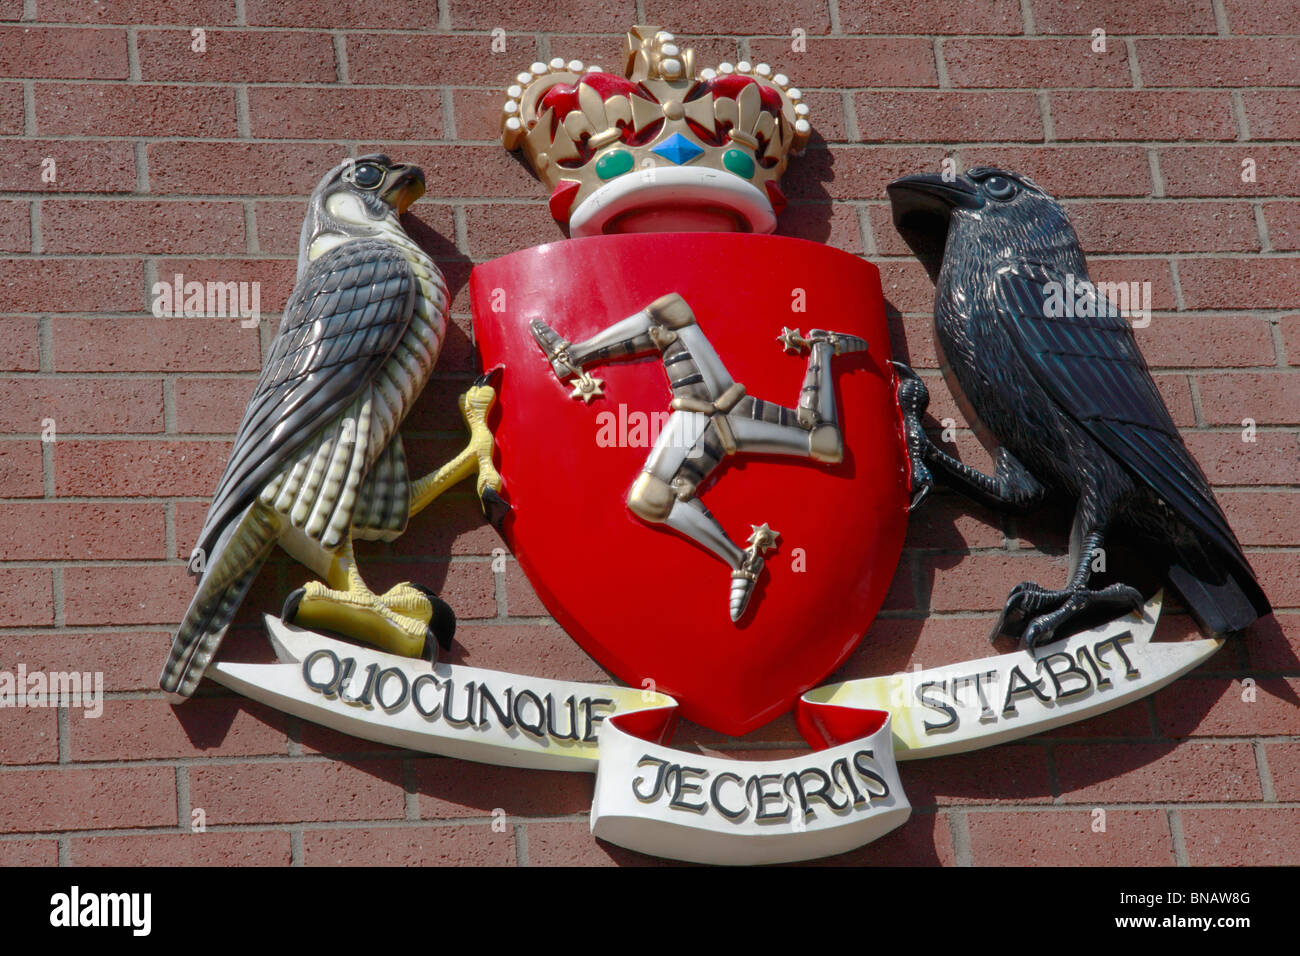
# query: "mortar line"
1157,175
132,55
959,824
1221,18
184,820
941,65
1175,819
341,58
243,122
1045,113
1027,18
29,108
1265,773
521,843
1239,114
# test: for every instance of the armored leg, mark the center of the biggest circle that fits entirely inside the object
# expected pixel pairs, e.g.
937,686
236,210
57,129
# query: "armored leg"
653,328
811,430
687,451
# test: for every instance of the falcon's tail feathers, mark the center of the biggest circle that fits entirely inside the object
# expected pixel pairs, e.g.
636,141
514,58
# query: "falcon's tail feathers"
221,590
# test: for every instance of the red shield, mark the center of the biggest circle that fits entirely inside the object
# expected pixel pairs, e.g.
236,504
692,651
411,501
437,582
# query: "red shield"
642,599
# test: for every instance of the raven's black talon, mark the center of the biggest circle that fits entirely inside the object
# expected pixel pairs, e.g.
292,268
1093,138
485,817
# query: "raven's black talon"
1036,615
913,397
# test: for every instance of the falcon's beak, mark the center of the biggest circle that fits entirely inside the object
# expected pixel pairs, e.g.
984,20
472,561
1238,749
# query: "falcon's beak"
923,205
405,186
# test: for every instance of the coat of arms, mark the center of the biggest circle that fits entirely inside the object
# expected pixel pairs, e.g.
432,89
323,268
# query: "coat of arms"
693,438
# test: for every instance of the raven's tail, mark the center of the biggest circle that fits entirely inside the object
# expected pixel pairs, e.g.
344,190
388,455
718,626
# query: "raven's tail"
221,590
1223,595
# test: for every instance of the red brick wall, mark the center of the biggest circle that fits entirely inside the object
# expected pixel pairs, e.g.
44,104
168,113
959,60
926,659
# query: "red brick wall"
171,161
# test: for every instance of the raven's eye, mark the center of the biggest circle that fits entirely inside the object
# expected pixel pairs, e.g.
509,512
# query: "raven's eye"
999,187
368,176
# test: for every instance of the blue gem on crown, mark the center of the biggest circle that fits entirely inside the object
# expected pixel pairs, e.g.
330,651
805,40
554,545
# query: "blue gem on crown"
678,149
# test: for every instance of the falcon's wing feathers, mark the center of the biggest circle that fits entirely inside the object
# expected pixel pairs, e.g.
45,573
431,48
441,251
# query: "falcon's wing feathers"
344,318
1092,367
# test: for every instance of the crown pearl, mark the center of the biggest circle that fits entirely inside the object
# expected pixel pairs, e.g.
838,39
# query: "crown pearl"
538,69
764,70
781,80
726,68
671,68
743,66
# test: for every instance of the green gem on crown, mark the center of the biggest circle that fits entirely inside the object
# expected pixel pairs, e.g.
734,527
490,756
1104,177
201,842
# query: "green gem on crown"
614,164
739,162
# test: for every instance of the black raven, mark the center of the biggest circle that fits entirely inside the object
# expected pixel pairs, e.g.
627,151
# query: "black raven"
1049,375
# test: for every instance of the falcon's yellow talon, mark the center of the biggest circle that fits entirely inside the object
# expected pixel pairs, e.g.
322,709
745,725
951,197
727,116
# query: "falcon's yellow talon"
396,621
475,406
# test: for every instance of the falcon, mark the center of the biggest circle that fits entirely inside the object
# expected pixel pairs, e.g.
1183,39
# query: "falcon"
317,460
1061,396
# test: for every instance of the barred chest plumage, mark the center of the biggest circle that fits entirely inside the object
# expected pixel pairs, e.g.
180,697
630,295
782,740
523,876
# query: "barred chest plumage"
353,476
408,369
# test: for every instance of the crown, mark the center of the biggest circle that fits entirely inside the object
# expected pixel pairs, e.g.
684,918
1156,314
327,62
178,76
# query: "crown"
661,147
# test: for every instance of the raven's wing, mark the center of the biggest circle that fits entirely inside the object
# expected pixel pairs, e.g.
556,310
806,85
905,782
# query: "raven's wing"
1092,368
344,318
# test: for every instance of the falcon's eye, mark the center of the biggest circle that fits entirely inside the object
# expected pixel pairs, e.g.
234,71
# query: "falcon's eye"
368,176
999,187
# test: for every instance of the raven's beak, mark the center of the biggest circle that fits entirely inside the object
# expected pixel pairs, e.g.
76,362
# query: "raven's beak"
922,211
932,191
405,186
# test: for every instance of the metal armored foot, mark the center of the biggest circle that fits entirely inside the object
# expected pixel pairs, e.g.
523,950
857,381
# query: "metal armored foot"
1035,614
841,343
585,387
475,406
401,620
743,579
913,399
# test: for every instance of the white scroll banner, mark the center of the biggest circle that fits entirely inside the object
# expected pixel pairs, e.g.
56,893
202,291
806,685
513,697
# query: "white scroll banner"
706,808
979,703
648,797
